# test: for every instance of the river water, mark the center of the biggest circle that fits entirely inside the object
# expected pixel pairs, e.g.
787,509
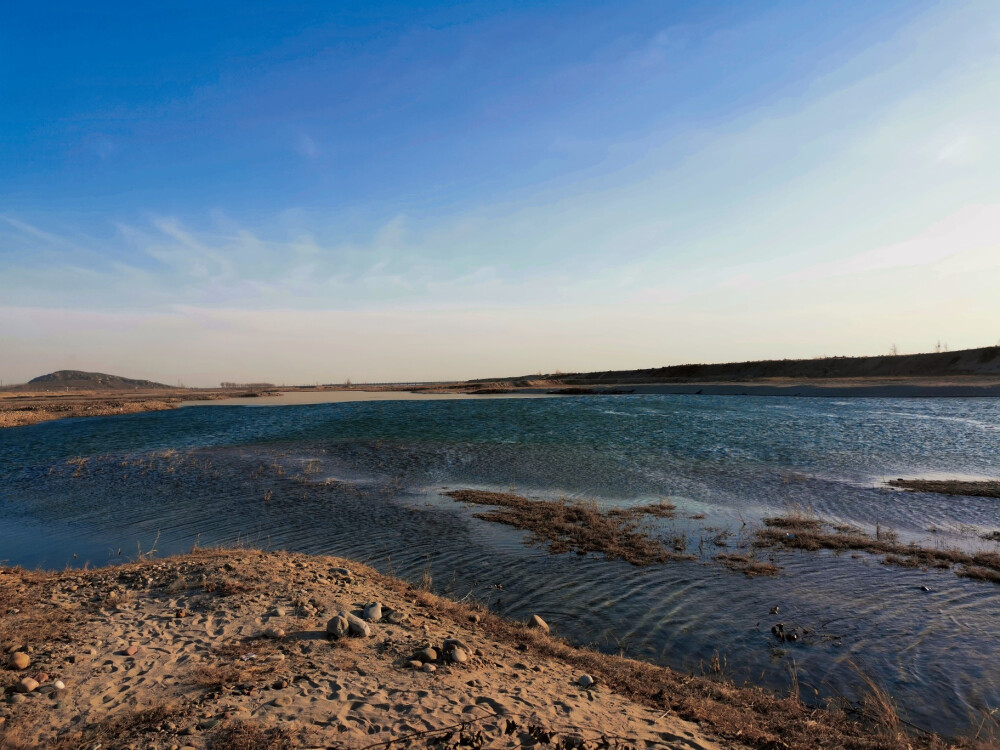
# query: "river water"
364,480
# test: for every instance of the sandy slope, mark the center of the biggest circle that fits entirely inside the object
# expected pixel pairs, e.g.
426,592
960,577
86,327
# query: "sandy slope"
212,669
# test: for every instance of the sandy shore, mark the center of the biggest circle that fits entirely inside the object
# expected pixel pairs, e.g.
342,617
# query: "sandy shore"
19,408
229,649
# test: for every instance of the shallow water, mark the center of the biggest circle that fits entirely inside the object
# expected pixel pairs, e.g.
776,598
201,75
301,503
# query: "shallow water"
363,480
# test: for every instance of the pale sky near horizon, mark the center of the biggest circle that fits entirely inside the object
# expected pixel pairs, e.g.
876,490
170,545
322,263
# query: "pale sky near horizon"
203,192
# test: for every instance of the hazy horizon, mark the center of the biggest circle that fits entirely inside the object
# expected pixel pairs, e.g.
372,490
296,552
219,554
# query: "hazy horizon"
378,192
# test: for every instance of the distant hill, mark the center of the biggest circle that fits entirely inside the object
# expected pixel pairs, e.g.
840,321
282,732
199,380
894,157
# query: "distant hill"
91,381
968,362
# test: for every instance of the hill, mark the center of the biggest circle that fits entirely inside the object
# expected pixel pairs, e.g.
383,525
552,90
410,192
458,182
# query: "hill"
89,381
983,362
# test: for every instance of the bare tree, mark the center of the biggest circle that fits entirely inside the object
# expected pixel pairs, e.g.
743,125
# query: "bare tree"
893,351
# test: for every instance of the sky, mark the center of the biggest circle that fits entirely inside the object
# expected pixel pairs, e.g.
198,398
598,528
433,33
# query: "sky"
384,191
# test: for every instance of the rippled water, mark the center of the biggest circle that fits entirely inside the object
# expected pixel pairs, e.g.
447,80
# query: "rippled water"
363,480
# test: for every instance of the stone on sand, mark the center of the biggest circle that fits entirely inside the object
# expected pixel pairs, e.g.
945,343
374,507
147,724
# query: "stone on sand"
26,685
356,625
373,612
19,660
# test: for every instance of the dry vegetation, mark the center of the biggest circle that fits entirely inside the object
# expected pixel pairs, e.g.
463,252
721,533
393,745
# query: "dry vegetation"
566,526
801,532
986,488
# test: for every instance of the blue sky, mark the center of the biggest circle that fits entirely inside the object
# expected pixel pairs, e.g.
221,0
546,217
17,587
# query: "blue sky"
393,191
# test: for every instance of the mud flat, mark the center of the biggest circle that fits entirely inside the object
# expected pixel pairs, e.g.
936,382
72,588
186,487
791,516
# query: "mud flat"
233,649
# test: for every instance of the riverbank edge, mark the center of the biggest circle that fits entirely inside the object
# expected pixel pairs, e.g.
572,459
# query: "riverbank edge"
730,715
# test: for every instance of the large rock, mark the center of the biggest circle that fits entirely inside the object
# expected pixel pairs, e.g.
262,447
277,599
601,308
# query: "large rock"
539,623
373,612
356,626
585,681
19,660
338,626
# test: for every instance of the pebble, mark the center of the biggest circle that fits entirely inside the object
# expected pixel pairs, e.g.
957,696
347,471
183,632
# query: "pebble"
16,698
457,654
538,622
19,660
338,626
585,681
59,685
26,685
41,677
414,664
278,612
132,650
373,612
429,667
275,633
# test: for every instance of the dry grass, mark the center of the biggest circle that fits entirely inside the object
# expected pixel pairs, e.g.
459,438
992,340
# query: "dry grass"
987,488
123,730
796,532
566,526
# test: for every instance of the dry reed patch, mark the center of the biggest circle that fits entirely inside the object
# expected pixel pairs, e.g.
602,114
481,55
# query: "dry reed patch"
246,735
812,534
566,526
986,488
747,565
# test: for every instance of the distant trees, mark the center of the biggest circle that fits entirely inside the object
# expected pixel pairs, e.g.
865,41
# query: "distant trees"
246,385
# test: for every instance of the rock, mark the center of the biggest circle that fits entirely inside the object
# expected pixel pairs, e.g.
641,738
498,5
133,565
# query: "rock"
274,633
426,654
373,612
474,618
41,677
337,626
340,572
538,622
280,684
414,664
19,660
278,612
429,667
356,626
26,685
59,685
585,680
132,650
458,655
15,698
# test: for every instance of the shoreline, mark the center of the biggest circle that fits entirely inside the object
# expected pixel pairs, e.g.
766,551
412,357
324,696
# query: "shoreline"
22,409
178,646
